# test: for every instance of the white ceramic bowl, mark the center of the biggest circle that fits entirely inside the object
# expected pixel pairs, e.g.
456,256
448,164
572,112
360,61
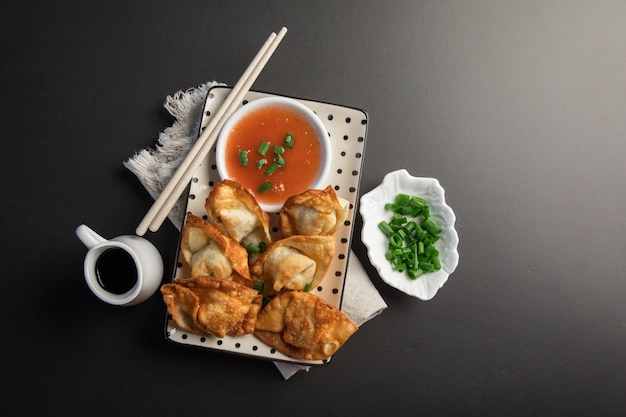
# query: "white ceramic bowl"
372,209
319,129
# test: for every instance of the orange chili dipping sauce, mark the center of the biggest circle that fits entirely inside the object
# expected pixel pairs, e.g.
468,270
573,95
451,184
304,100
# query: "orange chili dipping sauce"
303,161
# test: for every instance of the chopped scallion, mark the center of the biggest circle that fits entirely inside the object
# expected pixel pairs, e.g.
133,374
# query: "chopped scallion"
417,202
436,262
252,248
391,206
415,273
273,167
411,234
399,265
402,199
398,219
279,150
266,186
427,266
429,224
395,241
407,211
289,141
258,285
384,226
243,158
264,147
410,227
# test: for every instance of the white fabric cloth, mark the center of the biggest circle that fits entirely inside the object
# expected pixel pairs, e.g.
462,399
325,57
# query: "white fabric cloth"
154,168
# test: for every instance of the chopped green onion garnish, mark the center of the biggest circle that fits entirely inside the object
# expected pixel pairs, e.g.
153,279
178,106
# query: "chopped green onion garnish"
273,167
430,251
436,262
307,287
252,248
402,199
417,202
243,158
410,227
280,161
410,258
415,273
391,206
398,219
398,265
279,150
261,163
429,224
395,241
427,266
266,186
412,234
407,211
289,141
258,285
264,147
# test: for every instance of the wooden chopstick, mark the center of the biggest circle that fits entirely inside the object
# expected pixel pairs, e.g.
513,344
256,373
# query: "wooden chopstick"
163,204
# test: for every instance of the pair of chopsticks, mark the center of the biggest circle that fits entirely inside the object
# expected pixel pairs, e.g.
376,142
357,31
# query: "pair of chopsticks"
157,214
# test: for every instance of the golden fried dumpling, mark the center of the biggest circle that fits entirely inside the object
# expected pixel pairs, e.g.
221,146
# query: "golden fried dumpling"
294,263
206,305
234,211
313,212
303,326
210,253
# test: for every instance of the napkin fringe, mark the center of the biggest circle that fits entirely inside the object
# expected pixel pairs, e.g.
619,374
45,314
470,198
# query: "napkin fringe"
185,104
154,167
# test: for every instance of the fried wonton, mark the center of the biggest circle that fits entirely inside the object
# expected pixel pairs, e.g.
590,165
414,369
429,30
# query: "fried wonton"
313,212
210,253
206,305
294,263
303,326
234,211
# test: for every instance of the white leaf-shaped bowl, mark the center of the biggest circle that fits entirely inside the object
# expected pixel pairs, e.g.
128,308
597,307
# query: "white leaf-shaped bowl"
372,209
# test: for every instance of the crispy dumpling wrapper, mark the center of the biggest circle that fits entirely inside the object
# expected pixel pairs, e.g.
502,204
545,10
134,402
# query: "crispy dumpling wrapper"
313,212
294,263
303,326
210,253
234,211
207,305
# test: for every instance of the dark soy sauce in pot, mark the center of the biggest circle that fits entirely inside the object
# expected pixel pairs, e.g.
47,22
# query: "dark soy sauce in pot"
116,271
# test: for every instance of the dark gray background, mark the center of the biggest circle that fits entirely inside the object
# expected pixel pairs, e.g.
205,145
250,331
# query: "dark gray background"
517,107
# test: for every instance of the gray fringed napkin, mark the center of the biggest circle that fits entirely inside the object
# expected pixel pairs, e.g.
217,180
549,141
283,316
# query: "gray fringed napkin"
154,168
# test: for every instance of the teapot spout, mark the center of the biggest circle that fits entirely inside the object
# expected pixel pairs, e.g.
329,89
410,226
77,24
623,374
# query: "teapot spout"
88,236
